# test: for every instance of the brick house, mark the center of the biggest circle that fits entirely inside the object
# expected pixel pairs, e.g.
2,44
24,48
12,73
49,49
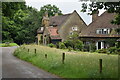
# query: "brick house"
57,28
101,30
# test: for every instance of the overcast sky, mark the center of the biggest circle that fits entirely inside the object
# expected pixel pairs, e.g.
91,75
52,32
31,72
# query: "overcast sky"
66,6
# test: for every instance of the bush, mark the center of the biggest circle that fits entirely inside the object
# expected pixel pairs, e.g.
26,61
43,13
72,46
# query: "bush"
102,51
92,47
68,43
112,50
78,45
51,45
62,45
69,48
75,44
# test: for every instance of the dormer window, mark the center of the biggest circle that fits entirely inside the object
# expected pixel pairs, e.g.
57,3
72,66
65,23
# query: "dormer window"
74,28
103,31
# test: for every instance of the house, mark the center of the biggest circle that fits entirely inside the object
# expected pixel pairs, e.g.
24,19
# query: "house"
58,28
101,30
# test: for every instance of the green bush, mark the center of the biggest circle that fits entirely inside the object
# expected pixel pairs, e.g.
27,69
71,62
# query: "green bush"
51,45
78,45
92,47
112,50
68,43
102,51
62,45
75,44
118,50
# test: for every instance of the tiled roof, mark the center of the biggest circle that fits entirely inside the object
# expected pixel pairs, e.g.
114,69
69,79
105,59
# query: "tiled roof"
103,21
54,33
58,20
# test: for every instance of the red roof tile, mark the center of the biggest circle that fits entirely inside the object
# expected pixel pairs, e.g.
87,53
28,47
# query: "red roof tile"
54,33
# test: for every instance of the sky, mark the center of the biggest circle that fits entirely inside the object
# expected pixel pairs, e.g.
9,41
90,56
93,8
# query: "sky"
66,6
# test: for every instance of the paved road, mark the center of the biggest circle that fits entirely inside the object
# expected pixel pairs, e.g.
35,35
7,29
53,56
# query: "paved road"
13,67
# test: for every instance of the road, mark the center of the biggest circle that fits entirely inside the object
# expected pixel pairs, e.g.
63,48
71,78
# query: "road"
13,67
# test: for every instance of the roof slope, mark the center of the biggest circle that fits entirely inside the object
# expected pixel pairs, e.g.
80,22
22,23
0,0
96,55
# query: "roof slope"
103,21
54,33
59,20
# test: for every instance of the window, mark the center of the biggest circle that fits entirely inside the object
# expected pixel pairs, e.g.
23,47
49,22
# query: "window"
74,28
71,33
103,31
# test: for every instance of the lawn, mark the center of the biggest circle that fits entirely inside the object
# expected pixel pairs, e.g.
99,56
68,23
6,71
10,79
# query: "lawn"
76,65
8,45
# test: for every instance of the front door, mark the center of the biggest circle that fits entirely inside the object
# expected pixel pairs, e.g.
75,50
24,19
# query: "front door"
99,45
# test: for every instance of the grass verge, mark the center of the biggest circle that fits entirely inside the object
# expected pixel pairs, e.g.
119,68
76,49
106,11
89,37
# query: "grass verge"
77,65
8,45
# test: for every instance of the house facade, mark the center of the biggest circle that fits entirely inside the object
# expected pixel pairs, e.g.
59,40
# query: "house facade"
101,30
58,28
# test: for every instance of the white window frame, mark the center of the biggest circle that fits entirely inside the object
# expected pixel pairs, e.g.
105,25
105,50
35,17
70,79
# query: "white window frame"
74,28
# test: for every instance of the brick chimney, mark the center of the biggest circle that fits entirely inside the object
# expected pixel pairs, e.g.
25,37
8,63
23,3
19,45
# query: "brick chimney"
95,16
45,20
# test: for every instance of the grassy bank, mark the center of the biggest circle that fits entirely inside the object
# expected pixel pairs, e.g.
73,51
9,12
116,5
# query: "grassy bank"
77,65
8,45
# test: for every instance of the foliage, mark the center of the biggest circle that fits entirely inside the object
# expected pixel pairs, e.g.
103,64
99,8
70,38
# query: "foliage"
78,65
102,51
51,45
109,6
111,42
78,45
74,42
20,22
92,47
8,44
89,47
113,50
117,44
86,48
68,43
118,30
62,45
51,9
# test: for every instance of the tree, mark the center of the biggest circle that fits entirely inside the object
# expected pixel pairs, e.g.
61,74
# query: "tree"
111,7
20,22
74,42
51,9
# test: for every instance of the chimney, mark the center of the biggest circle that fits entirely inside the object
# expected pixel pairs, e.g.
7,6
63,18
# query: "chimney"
95,16
45,20
46,14
56,14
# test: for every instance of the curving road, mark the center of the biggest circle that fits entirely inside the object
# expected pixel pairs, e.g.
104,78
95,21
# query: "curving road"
13,67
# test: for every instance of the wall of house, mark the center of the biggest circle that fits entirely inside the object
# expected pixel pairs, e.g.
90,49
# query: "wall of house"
95,41
73,20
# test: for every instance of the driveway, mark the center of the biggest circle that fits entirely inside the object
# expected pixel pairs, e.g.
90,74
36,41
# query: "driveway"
13,67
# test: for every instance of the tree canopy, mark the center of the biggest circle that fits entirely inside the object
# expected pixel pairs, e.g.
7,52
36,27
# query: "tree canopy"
20,22
111,7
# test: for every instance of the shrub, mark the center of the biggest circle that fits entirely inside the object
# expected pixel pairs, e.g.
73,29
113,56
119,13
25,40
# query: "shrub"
68,43
69,48
102,51
51,45
112,50
86,48
92,47
78,45
118,50
62,45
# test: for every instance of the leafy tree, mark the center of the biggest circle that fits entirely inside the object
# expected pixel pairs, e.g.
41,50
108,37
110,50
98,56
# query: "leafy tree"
51,9
74,42
111,7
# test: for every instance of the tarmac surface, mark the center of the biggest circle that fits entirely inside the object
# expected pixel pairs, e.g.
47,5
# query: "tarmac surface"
13,67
